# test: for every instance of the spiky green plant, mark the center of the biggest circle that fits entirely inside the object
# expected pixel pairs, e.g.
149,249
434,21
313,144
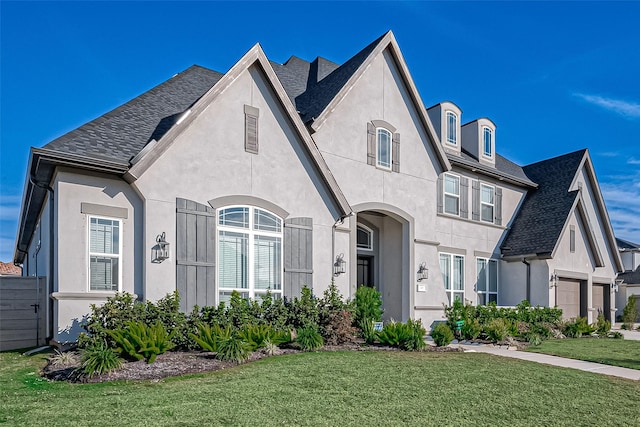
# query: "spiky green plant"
99,358
233,349
209,336
309,338
140,341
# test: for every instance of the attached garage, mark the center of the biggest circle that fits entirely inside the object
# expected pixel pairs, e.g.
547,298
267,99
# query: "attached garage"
568,297
600,301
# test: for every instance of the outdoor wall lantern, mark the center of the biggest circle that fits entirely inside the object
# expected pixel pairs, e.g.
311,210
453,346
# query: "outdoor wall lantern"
340,266
423,272
161,249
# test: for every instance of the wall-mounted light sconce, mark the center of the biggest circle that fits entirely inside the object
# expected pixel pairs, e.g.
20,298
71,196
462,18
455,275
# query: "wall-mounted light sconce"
340,266
616,285
554,280
161,249
423,272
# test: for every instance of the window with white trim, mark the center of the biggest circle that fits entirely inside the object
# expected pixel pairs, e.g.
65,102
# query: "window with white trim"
487,285
249,253
452,128
451,194
105,249
383,148
487,141
364,238
487,202
452,268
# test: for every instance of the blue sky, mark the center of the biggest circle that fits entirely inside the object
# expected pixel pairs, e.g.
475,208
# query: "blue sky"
555,77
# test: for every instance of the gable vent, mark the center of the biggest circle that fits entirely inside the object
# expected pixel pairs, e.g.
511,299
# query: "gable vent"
251,129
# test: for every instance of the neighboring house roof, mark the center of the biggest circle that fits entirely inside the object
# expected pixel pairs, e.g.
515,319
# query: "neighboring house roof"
630,277
538,225
504,170
9,269
625,245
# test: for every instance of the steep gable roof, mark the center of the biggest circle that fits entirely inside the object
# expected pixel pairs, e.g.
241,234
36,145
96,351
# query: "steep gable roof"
538,224
121,133
626,245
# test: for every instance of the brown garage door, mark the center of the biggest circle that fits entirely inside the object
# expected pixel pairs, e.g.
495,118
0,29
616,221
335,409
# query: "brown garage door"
569,297
597,301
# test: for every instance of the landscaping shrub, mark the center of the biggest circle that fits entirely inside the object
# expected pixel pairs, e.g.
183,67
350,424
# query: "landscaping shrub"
335,317
368,306
233,348
615,335
629,313
471,329
497,329
577,327
406,336
442,335
302,311
98,358
258,335
140,341
63,359
308,338
602,325
367,330
208,336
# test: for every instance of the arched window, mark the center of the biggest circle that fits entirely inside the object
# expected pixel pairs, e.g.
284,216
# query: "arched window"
452,128
364,238
487,138
249,252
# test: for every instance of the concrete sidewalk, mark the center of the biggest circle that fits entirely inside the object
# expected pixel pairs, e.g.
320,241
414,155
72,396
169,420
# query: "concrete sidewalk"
631,374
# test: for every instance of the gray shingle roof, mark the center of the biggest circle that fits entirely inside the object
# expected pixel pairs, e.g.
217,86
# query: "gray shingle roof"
537,226
316,98
630,277
503,168
121,133
625,244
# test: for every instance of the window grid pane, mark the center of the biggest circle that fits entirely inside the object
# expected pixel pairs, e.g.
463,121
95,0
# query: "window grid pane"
452,194
452,128
234,217
266,221
234,269
267,254
488,142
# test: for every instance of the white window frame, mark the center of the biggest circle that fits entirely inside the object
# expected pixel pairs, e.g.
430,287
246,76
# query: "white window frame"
379,164
451,291
370,233
483,203
446,194
487,130
451,129
487,292
117,256
251,233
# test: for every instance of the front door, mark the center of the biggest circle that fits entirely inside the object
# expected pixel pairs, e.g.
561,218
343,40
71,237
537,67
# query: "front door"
365,271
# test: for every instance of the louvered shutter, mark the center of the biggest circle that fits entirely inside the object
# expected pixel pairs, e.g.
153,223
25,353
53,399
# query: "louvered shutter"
440,193
298,255
498,206
464,197
251,129
475,200
371,144
195,254
395,153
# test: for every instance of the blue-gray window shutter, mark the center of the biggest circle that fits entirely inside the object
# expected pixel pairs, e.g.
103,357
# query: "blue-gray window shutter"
440,193
498,206
195,254
464,197
475,200
298,255
395,153
371,144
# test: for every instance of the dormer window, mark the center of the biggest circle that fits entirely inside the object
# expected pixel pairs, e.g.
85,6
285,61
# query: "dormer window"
452,128
383,149
487,142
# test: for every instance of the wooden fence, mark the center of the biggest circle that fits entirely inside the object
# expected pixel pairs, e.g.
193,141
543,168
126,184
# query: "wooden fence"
23,308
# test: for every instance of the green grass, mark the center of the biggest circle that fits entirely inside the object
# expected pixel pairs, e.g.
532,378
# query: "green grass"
343,388
624,353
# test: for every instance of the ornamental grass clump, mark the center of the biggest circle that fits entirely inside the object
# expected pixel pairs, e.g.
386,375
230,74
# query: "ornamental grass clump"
98,358
309,339
233,349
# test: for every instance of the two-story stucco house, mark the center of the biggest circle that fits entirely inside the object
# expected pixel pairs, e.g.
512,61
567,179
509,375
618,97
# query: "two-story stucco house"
275,176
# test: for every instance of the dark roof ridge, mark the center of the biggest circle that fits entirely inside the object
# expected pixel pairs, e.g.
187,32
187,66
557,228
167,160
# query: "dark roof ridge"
551,159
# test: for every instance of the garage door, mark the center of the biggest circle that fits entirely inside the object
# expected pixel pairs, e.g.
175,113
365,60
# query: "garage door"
569,298
598,299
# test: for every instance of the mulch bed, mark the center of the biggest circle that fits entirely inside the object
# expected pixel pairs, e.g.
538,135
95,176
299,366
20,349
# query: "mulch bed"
174,363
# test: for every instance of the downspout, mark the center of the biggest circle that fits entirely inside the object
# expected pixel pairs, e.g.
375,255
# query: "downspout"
528,264
51,247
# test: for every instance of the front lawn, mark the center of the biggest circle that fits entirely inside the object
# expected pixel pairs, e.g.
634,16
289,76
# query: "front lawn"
341,388
624,353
